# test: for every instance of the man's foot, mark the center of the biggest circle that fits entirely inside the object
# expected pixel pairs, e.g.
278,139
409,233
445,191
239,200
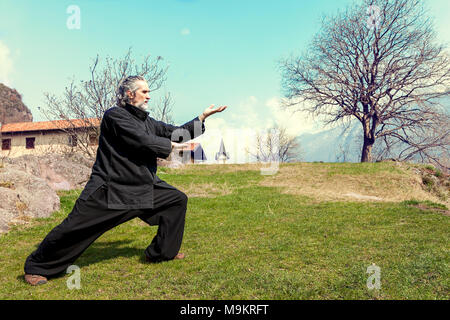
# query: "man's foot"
35,279
179,256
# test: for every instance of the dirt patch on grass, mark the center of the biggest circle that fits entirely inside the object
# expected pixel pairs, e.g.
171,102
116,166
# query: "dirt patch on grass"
427,208
335,181
362,197
219,168
206,190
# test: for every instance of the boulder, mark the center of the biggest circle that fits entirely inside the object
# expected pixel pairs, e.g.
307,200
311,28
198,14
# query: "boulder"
12,109
169,163
62,172
24,196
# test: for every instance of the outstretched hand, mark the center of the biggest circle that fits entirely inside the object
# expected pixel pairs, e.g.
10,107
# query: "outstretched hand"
210,110
176,145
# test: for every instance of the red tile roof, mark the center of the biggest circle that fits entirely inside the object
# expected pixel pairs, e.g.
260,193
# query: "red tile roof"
50,125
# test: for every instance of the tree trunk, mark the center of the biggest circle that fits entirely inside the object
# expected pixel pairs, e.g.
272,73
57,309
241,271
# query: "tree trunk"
366,155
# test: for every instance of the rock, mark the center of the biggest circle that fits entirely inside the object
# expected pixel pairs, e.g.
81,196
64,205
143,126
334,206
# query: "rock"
169,164
28,185
22,196
8,209
12,109
60,171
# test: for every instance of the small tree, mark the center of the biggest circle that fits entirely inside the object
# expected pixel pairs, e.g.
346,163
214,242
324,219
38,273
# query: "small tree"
87,100
275,144
163,109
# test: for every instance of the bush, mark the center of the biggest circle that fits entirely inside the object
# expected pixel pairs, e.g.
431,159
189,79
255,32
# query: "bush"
428,181
438,173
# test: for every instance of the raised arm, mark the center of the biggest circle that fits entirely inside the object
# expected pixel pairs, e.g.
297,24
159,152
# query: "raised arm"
194,128
124,130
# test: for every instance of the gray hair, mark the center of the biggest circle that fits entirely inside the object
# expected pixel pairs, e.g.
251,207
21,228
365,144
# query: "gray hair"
128,83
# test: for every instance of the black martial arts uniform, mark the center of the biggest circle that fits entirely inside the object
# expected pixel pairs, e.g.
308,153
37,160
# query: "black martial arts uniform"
123,185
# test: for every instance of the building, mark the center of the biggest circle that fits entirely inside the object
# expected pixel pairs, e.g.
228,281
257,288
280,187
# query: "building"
222,155
49,136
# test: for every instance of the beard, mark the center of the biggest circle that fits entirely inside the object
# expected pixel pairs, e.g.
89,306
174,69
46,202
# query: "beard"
143,106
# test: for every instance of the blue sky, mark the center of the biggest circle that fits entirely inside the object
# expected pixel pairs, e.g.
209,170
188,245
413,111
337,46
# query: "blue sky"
218,52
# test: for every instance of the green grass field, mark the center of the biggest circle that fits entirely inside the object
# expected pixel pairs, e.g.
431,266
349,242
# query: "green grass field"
246,238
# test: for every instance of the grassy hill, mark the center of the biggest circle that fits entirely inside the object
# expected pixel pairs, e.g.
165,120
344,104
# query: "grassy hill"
308,232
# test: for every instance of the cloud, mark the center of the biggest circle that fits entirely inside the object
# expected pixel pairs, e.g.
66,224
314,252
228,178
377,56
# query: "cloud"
237,128
6,64
244,121
185,32
295,122
250,113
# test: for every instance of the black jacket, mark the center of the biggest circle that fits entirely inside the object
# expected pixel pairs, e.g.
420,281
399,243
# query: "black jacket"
129,143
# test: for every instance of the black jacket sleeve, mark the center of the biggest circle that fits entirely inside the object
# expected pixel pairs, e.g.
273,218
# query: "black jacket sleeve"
194,128
125,130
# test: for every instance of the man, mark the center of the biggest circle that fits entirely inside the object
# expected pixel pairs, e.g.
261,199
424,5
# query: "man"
123,185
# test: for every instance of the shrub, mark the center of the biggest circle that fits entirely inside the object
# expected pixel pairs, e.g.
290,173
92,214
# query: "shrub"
438,173
428,181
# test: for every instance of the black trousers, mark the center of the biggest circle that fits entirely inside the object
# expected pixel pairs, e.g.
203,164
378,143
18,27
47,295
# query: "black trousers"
90,218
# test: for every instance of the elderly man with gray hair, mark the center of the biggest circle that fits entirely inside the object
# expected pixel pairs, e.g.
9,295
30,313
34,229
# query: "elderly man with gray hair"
123,185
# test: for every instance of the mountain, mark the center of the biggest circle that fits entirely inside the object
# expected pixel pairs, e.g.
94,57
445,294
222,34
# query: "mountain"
332,145
12,109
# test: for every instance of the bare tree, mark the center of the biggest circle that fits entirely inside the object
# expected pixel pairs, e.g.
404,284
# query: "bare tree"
377,62
89,99
430,145
163,109
342,155
276,145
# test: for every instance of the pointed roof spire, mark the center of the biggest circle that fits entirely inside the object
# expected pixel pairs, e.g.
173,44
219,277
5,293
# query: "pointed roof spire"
222,154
